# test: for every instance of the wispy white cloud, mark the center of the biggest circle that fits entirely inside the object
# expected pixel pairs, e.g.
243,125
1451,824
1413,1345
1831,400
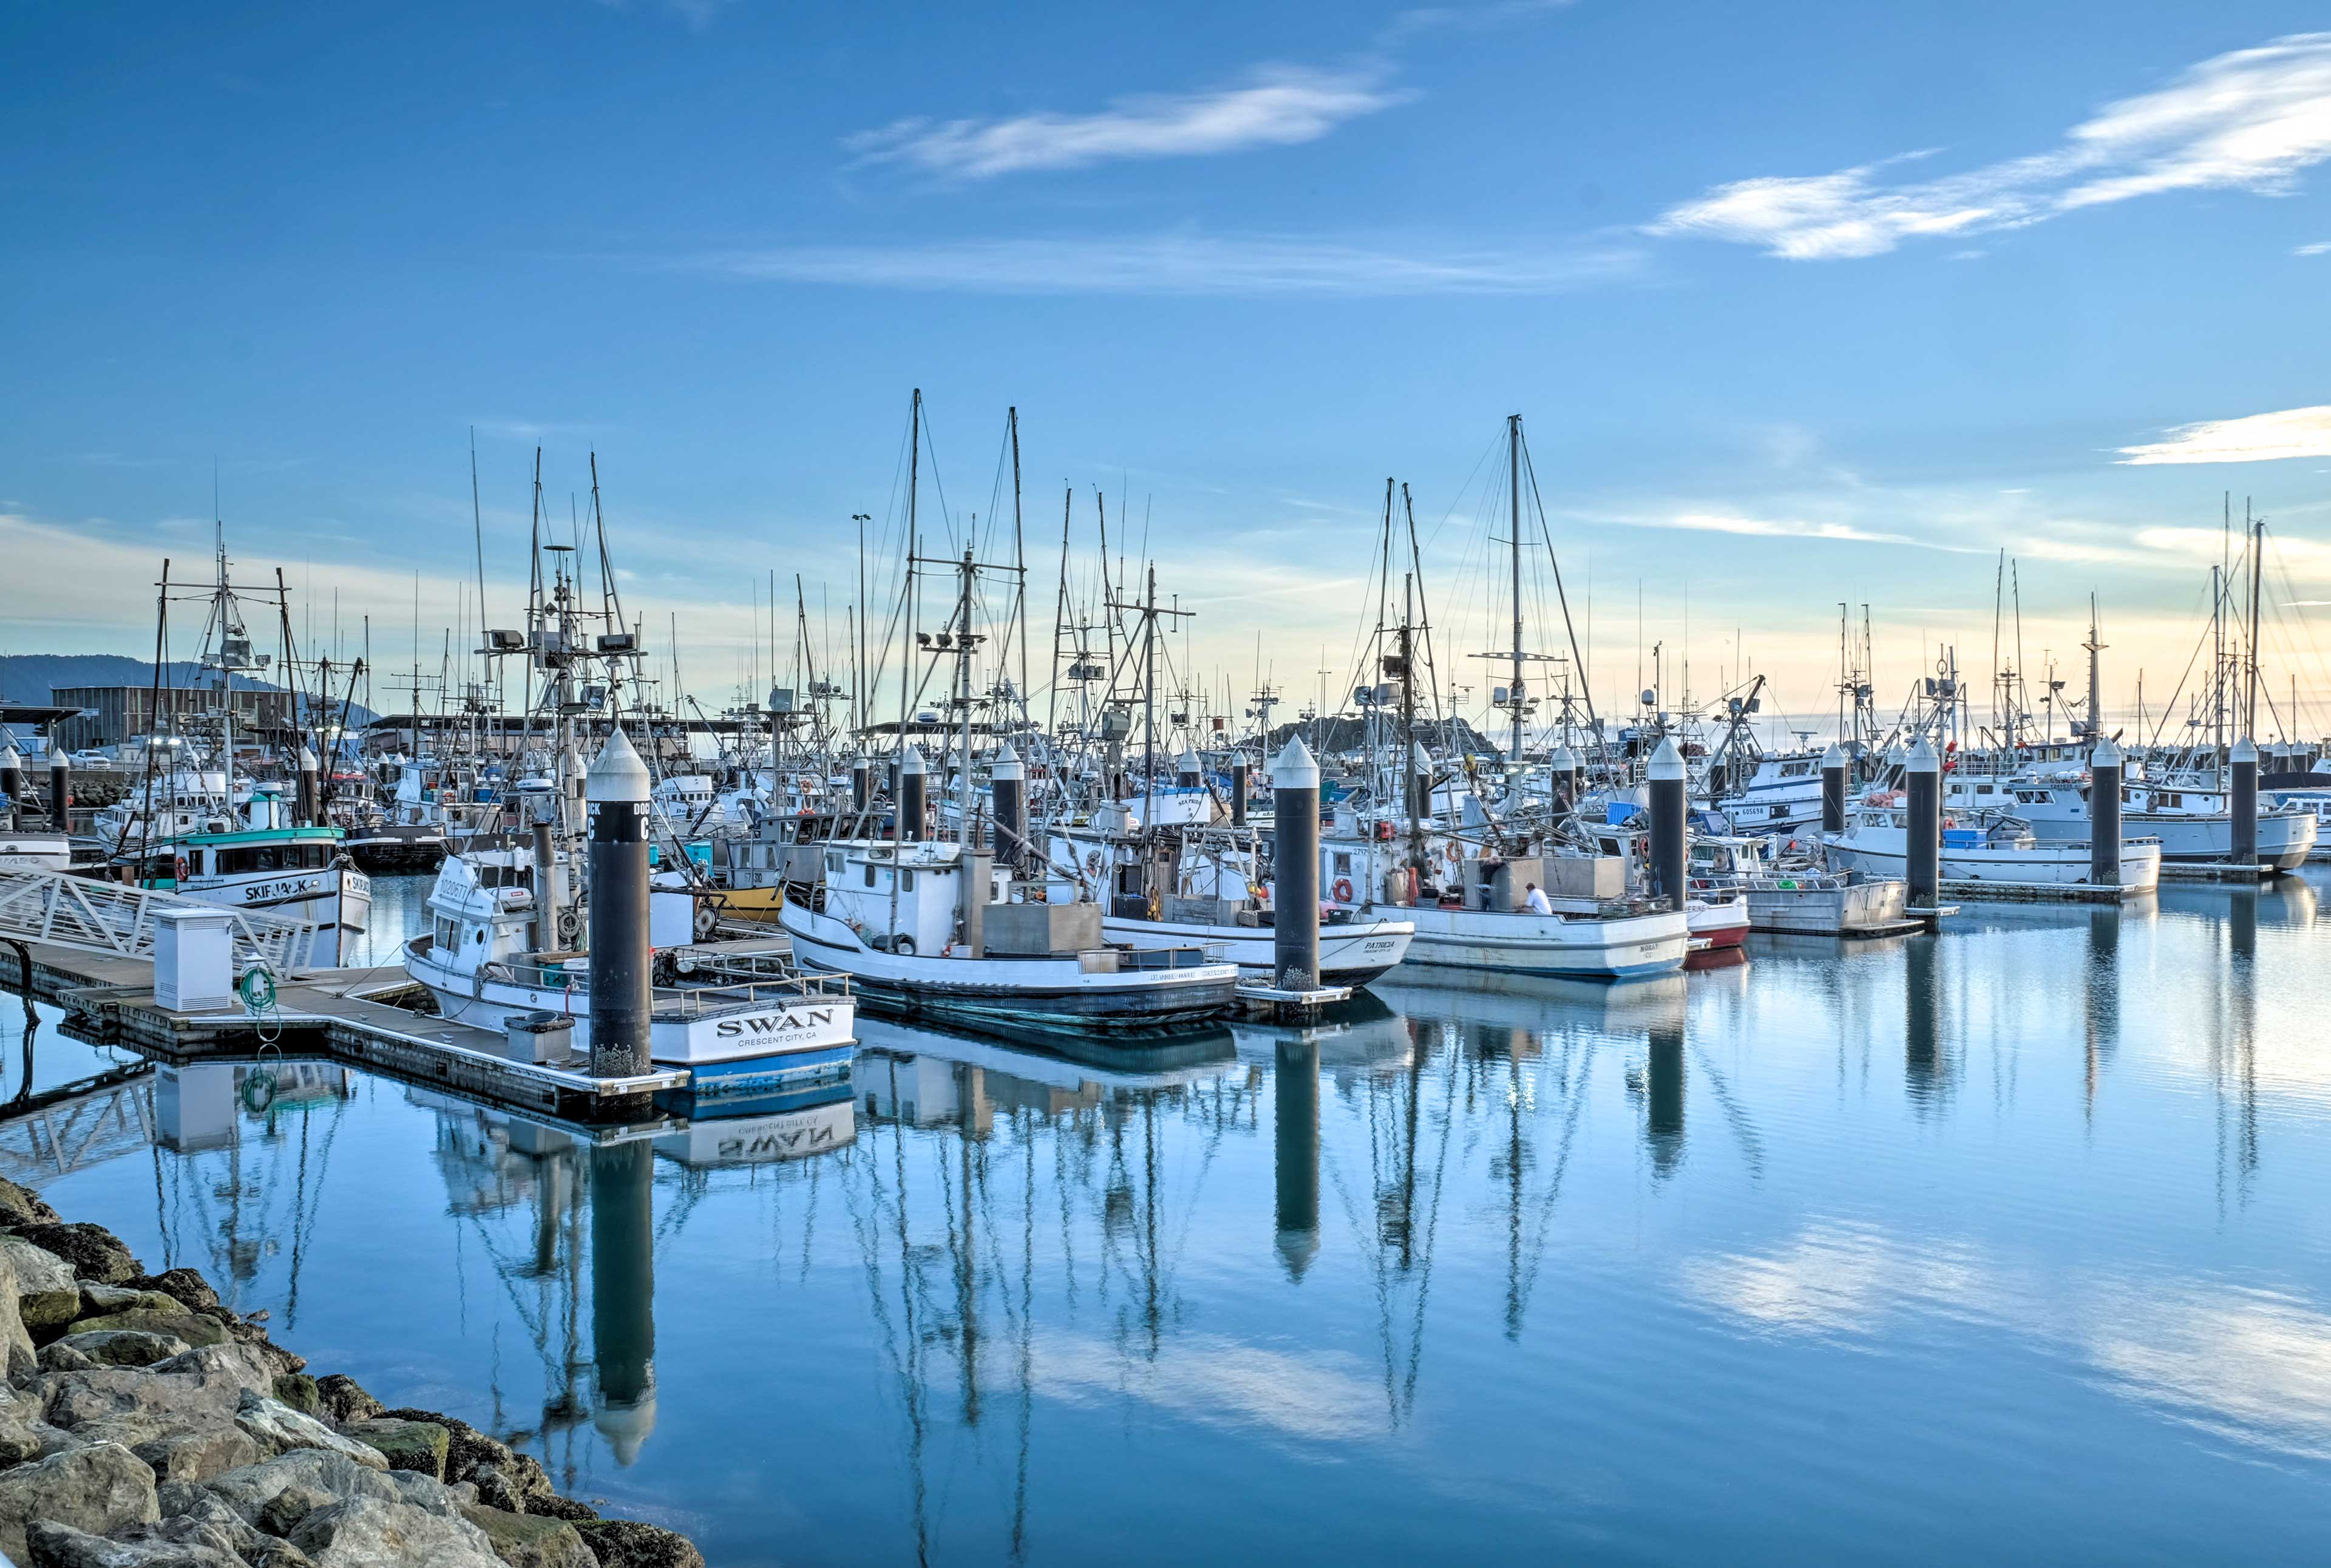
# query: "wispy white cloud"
1780,529
2321,247
2255,438
1275,106
1421,20
1180,264
2251,120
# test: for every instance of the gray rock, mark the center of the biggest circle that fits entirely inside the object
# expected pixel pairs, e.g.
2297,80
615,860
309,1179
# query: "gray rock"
199,1506
299,1391
97,1300
47,1295
194,1329
238,1364
115,1347
277,1424
279,1555
93,1251
416,1446
365,1533
100,1489
429,1496
249,1490
496,1491
200,1454
62,1357
22,1206
186,1393
62,1547
629,1543
23,1434
280,1514
344,1400
15,1339
524,1542
183,1285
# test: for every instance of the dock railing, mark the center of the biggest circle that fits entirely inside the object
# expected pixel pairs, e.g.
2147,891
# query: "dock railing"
94,916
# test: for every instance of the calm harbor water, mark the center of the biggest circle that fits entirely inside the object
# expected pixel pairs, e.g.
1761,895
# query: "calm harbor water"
2009,1243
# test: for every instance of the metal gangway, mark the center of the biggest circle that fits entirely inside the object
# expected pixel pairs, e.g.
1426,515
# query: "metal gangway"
107,918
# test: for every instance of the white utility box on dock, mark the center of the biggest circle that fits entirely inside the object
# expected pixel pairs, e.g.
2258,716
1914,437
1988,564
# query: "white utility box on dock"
193,959
538,1038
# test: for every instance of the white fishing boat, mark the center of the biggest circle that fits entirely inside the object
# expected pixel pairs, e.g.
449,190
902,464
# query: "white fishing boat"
897,920
2191,821
2000,848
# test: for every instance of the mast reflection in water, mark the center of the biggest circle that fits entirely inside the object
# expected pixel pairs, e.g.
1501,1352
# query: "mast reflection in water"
1506,1272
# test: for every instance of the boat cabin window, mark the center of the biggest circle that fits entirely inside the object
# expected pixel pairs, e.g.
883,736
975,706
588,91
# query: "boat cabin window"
1342,864
1780,813
870,873
833,863
906,882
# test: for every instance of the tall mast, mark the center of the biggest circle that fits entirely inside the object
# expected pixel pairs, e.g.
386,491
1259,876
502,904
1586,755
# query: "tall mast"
2094,646
1514,474
1149,702
963,643
1060,613
1019,564
2258,550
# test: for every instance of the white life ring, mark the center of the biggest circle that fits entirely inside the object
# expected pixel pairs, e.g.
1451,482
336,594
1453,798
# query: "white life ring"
905,945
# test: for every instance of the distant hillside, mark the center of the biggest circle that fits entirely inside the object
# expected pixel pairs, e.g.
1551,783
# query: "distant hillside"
33,677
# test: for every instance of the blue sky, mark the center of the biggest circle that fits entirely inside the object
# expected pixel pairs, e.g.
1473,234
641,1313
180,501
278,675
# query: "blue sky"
1801,305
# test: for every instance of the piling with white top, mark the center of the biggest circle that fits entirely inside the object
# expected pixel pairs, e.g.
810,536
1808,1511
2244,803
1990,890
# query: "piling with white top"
1665,781
11,781
60,790
1922,782
1187,769
1566,779
914,781
1238,793
304,808
616,792
1834,769
1295,868
2104,814
1009,779
861,786
2245,803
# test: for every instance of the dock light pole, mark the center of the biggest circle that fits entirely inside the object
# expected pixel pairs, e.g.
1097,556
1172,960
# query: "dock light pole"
60,789
1833,766
1295,868
12,780
2104,814
1238,793
1008,778
1295,1129
1566,779
914,780
615,793
2245,803
1665,779
1922,779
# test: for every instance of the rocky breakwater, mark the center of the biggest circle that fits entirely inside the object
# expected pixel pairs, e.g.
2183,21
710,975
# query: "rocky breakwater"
144,1424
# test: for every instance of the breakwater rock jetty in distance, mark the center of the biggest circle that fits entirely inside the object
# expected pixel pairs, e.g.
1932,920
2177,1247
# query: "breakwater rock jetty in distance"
144,1424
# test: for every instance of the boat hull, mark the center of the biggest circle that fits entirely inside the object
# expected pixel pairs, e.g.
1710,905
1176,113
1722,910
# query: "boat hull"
1720,925
1012,996
2284,838
2064,866
1350,955
1629,947
336,900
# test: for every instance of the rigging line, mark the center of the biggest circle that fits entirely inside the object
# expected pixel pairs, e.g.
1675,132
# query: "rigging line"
1572,632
